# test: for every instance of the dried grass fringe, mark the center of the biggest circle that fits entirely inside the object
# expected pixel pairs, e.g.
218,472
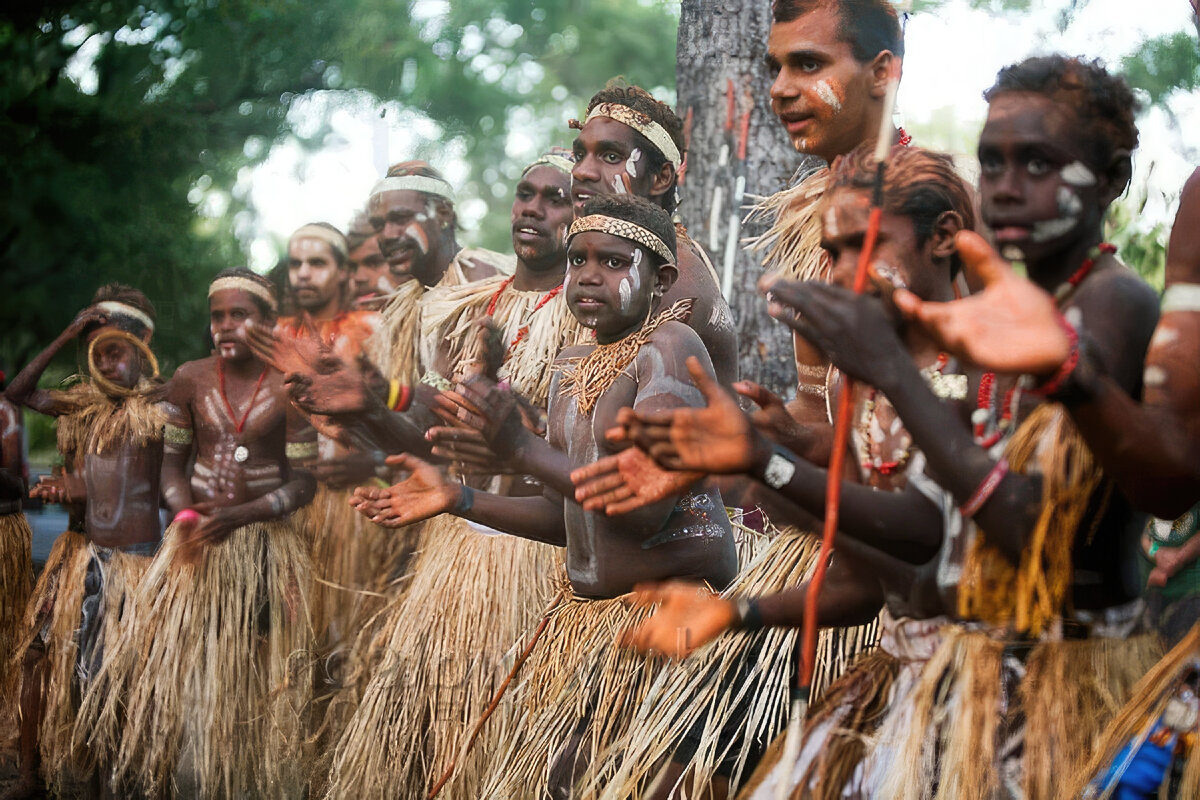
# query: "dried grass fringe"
450,316
1143,707
197,697
445,646
706,687
393,347
16,583
577,688
1028,597
791,245
1063,728
97,422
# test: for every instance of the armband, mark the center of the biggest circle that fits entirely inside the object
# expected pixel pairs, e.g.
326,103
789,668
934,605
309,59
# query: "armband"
399,396
174,435
466,499
431,378
300,451
985,489
1181,297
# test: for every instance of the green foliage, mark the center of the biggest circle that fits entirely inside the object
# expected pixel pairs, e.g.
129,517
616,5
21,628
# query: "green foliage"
1142,250
1164,65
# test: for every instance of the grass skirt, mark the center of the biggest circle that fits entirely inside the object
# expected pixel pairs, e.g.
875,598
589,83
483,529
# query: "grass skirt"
16,578
215,674
443,649
53,617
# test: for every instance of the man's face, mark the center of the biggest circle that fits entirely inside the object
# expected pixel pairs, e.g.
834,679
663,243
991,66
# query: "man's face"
608,160
1036,192
369,273
541,212
897,257
229,311
408,227
314,275
821,93
610,283
117,360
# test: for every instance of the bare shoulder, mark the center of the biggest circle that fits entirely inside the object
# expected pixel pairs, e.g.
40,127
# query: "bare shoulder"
1121,291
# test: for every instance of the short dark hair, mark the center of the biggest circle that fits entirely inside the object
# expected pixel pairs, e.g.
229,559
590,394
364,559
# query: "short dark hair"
261,280
918,184
868,26
635,97
1103,103
120,293
360,231
639,211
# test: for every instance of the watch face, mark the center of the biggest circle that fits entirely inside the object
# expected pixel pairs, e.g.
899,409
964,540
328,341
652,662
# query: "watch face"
779,471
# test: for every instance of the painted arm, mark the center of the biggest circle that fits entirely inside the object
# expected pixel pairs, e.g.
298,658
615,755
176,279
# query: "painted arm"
23,390
177,443
12,461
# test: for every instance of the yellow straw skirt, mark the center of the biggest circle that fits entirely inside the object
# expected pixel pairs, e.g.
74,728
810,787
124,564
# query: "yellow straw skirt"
52,617
444,647
16,578
207,692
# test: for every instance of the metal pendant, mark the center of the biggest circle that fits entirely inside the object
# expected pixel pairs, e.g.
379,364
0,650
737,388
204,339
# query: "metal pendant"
241,454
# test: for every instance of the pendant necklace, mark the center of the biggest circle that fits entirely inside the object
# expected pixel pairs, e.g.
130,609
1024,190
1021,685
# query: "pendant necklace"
241,453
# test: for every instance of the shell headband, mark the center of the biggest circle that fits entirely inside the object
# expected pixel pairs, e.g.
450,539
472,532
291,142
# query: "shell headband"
244,285
334,239
114,308
626,230
656,134
414,183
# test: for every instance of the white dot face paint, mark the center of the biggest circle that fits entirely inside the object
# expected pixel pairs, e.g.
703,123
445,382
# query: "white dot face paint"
1069,204
631,162
1077,174
827,95
618,184
626,294
890,274
1164,336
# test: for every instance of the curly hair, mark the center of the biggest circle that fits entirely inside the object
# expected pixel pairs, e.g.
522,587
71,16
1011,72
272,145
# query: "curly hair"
868,26
639,211
637,98
918,184
1104,105
261,280
120,293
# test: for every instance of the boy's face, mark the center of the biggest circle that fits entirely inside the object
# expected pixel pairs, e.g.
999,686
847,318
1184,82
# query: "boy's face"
369,273
897,257
610,283
1037,194
229,311
117,360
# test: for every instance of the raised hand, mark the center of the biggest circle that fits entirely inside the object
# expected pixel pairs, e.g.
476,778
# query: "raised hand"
88,316
689,616
425,493
626,482
772,419
718,438
1009,326
467,448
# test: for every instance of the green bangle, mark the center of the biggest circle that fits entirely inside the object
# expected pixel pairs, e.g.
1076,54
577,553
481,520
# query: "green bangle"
466,499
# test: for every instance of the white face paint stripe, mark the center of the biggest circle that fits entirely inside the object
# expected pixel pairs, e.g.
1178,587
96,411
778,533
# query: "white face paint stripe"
1069,204
1181,297
631,162
626,294
825,92
1077,174
618,184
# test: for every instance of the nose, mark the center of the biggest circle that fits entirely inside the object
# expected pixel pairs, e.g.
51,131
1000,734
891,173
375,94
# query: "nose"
391,231
1008,187
586,169
782,88
533,209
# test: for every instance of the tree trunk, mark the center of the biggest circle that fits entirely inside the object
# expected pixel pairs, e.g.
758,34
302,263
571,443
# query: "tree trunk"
737,150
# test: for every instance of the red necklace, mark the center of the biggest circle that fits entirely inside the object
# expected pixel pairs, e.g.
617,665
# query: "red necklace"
1065,288
238,426
523,331
905,139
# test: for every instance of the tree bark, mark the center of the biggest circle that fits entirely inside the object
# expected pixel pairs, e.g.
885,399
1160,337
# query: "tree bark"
737,150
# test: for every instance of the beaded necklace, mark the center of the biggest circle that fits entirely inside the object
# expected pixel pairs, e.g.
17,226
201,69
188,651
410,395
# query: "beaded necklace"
870,449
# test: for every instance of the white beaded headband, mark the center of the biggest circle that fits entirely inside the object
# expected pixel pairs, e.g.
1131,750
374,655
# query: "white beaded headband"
626,230
414,183
655,133
112,307
333,238
243,285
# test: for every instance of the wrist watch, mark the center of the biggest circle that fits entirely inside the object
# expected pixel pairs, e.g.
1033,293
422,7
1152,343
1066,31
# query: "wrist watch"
779,470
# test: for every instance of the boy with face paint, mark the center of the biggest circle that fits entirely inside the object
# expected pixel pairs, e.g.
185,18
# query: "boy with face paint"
406,729
110,430
412,212
631,143
1054,153
214,675
637,360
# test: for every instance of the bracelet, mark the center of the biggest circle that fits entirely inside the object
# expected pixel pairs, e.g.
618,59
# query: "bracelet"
399,396
186,515
749,613
779,470
466,499
1060,376
986,488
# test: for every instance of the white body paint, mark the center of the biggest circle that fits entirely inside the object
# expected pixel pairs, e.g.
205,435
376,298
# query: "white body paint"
631,162
618,184
626,293
826,93
1069,204
1077,174
417,234
890,274
635,277
1154,376
831,226
1164,336
1049,229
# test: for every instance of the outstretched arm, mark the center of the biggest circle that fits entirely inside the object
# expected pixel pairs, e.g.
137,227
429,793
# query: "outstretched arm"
23,390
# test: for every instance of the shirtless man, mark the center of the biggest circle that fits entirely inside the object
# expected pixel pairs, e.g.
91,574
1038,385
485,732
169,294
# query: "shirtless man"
630,143
620,262
229,585
112,427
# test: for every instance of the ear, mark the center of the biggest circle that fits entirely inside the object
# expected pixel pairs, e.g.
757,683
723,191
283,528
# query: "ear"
664,180
447,219
667,275
881,70
1115,178
146,334
941,238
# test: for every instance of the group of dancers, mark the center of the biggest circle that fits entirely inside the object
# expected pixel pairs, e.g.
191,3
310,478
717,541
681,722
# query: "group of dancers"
450,522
